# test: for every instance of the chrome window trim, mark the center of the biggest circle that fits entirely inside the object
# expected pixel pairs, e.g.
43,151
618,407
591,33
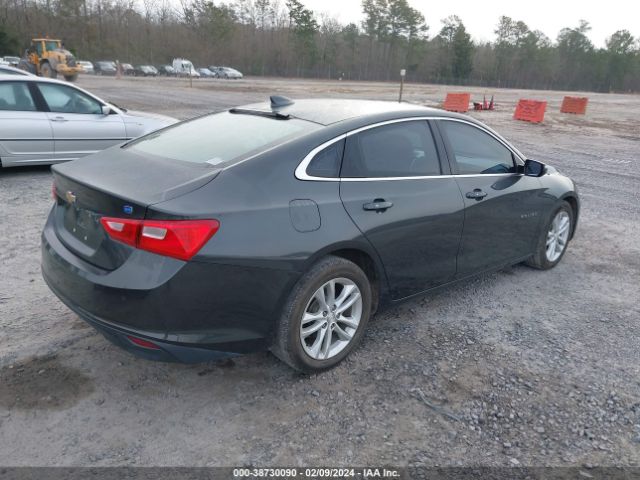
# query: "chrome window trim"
301,169
424,177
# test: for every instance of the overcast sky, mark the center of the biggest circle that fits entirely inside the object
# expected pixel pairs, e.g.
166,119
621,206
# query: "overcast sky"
480,18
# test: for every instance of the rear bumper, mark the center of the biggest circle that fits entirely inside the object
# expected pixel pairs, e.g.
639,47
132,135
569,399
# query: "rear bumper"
121,336
192,311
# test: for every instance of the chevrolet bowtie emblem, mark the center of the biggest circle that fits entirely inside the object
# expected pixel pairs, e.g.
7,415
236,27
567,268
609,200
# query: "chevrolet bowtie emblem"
71,198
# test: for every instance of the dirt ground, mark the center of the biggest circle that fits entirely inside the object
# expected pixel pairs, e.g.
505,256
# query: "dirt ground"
518,367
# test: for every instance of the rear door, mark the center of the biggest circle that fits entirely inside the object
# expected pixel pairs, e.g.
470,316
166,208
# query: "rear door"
79,126
393,188
25,133
502,212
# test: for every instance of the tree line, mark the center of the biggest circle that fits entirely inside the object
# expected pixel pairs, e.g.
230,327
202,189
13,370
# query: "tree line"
285,38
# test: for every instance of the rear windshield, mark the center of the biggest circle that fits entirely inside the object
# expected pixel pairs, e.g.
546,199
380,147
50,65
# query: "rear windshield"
220,139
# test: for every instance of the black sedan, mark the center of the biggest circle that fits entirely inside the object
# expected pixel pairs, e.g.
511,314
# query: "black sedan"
104,67
285,226
145,71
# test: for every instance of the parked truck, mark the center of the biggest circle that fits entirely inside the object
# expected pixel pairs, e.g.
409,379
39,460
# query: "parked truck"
184,68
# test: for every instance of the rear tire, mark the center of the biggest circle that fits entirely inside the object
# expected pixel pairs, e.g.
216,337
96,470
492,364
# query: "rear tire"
71,78
546,256
341,328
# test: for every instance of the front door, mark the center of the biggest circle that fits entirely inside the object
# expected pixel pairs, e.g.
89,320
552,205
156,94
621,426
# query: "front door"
393,189
79,126
502,207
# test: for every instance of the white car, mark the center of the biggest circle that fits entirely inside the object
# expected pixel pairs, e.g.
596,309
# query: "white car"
87,66
44,121
226,72
13,61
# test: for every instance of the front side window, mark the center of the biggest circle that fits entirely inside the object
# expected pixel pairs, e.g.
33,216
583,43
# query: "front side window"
52,45
220,139
16,96
403,149
63,99
475,151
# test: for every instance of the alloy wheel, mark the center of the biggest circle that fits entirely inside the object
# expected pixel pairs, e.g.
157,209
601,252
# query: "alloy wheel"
558,235
331,318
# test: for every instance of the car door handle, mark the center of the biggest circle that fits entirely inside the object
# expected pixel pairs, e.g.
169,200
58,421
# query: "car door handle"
59,119
378,205
477,194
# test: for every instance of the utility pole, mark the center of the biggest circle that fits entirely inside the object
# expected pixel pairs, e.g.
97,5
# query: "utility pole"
403,72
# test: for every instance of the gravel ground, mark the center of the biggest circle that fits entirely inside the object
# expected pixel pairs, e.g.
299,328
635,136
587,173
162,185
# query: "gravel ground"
520,367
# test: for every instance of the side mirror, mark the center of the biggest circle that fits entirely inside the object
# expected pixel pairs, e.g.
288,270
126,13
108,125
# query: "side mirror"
106,109
533,168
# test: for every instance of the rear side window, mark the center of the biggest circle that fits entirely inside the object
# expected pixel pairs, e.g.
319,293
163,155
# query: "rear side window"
475,151
404,149
326,163
16,96
220,139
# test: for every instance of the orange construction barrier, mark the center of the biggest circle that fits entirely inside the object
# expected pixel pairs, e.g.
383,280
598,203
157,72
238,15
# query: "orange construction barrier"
574,105
457,102
530,110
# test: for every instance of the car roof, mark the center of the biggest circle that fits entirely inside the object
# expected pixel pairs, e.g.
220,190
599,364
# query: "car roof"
327,111
33,78
16,72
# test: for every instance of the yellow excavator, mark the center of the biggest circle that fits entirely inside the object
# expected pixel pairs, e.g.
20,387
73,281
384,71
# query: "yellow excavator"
47,57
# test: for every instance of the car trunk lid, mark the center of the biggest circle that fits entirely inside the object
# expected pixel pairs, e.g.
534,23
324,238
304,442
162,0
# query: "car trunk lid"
120,185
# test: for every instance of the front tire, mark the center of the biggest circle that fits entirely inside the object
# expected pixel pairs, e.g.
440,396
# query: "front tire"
71,78
47,71
554,238
325,316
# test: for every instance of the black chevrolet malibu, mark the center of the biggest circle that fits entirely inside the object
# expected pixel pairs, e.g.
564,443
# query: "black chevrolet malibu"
286,225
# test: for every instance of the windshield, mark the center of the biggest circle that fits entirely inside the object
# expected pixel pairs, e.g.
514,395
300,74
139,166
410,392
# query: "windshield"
220,139
52,45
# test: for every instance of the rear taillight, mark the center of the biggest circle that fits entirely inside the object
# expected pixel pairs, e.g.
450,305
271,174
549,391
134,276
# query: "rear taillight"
54,192
141,342
180,239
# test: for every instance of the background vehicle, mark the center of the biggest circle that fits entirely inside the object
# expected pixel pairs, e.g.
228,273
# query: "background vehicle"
11,60
205,72
7,70
46,121
87,67
184,68
47,57
127,69
145,71
105,67
166,71
226,72
365,205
